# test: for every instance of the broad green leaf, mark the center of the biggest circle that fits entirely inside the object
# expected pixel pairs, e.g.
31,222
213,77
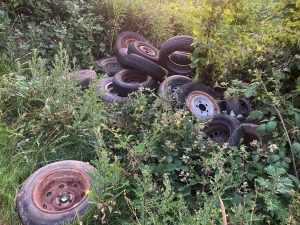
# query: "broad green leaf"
193,182
297,117
295,147
248,93
170,167
261,128
5,133
253,114
275,22
271,125
293,178
160,167
273,158
169,158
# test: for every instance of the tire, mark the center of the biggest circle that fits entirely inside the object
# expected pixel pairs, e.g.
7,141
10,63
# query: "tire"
122,57
247,106
145,50
127,81
83,77
250,135
125,38
233,105
146,66
108,65
181,58
177,43
55,194
224,129
200,99
106,91
172,84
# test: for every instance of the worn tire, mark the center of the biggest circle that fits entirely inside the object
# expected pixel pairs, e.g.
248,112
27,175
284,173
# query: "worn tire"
145,50
127,81
83,77
39,201
172,84
181,58
177,43
125,38
232,105
106,91
250,135
146,66
224,128
122,54
108,65
200,99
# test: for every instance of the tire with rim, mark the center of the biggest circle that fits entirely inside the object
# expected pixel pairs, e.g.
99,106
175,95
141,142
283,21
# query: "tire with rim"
146,66
200,99
145,50
224,129
106,91
122,54
125,38
181,58
108,65
251,135
172,84
177,43
127,81
55,194
83,77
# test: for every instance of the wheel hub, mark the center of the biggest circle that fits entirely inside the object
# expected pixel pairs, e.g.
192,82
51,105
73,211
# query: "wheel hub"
146,50
202,104
246,106
218,132
60,190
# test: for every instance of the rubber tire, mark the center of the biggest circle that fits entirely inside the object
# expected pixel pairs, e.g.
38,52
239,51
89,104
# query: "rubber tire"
125,38
166,88
28,212
177,43
145,50
146,66
186,89
108,65
127,81
107,93
122,54
83,77
236,132
181,58
232,105
251,134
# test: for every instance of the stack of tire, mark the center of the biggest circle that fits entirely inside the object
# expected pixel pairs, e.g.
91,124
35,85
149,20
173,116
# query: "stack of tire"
167,69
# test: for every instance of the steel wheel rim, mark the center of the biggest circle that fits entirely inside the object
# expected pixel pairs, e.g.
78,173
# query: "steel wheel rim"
246,106
175,88
60,190
218,132
132,78
202,104
146,50
110,88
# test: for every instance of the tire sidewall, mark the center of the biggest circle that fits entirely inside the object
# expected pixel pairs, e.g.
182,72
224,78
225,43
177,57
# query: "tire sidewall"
29,214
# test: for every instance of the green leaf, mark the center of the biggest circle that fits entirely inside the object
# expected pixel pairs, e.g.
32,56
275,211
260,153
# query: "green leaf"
293,178
169,158
273,158
160,168
253,114
255,158
248,93
275,22
295,147
170,167
271,125
193,182
261,128
5,133
297,117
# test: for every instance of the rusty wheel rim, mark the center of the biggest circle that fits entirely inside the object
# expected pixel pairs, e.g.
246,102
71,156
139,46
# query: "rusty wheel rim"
202,104
146,50
126,41
218,132
134,77
61,190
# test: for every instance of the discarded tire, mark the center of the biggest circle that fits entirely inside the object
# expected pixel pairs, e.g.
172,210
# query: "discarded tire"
224,129
83,77
146,66
108,65
145,50
251,135
177,43
122,57
106,91
125,38
55,194
172,84
127,81
200,99
181,58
